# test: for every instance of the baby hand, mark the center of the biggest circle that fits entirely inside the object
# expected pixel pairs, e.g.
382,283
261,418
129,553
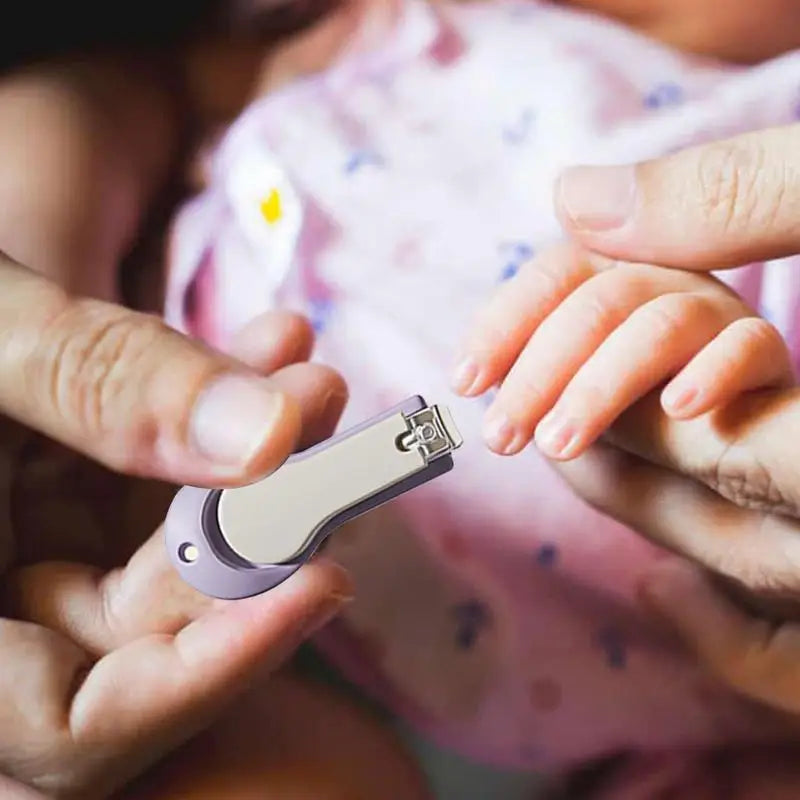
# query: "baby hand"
577,338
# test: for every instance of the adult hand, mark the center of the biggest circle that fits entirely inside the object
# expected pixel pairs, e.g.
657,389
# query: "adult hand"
103,672
715,206
723,489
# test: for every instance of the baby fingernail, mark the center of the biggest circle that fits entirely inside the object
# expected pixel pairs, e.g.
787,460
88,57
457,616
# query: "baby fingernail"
500,433
556,435
233,417
465,376
678,398
597,198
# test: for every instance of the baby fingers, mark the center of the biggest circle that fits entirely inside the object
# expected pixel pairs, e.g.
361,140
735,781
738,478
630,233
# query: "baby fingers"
653,343
519,306
749,354
612,339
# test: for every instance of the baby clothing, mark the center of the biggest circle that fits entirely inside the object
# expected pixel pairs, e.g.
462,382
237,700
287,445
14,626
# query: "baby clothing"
386,197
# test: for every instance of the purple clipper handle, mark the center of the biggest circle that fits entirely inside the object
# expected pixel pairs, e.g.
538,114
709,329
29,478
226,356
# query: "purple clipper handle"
217,539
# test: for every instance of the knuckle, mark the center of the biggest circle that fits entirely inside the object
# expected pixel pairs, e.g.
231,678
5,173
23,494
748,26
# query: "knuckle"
597,308
740,477
95,351
521,396
492,331
667,314
756,334
728,176
544,276
749,575
661,321
21,340
552,273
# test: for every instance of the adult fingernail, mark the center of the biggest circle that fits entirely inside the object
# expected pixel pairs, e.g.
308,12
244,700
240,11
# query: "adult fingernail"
557,435
597,198
233,417
501,434
465,376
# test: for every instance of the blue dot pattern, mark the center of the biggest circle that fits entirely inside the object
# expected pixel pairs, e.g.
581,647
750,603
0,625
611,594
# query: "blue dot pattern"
547,555
320,313
360,159
612,643
521,129
509,271
472,617
516,254
664,95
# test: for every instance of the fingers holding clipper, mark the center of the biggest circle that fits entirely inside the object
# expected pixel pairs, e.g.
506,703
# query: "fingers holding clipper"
102,612
276,345
79,723
174,685
130,392
274,340
321,395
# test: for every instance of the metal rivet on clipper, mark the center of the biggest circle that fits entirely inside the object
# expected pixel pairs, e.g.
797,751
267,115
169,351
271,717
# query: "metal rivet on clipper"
188,553
432,430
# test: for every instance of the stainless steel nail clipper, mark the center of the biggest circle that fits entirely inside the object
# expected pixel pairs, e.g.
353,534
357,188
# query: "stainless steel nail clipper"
232,543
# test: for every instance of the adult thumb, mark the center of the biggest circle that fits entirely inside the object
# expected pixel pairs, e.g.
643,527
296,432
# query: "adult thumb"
713,206
130,392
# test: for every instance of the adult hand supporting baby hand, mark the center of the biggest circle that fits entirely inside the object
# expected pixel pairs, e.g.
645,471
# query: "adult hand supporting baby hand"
723,489
103,672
